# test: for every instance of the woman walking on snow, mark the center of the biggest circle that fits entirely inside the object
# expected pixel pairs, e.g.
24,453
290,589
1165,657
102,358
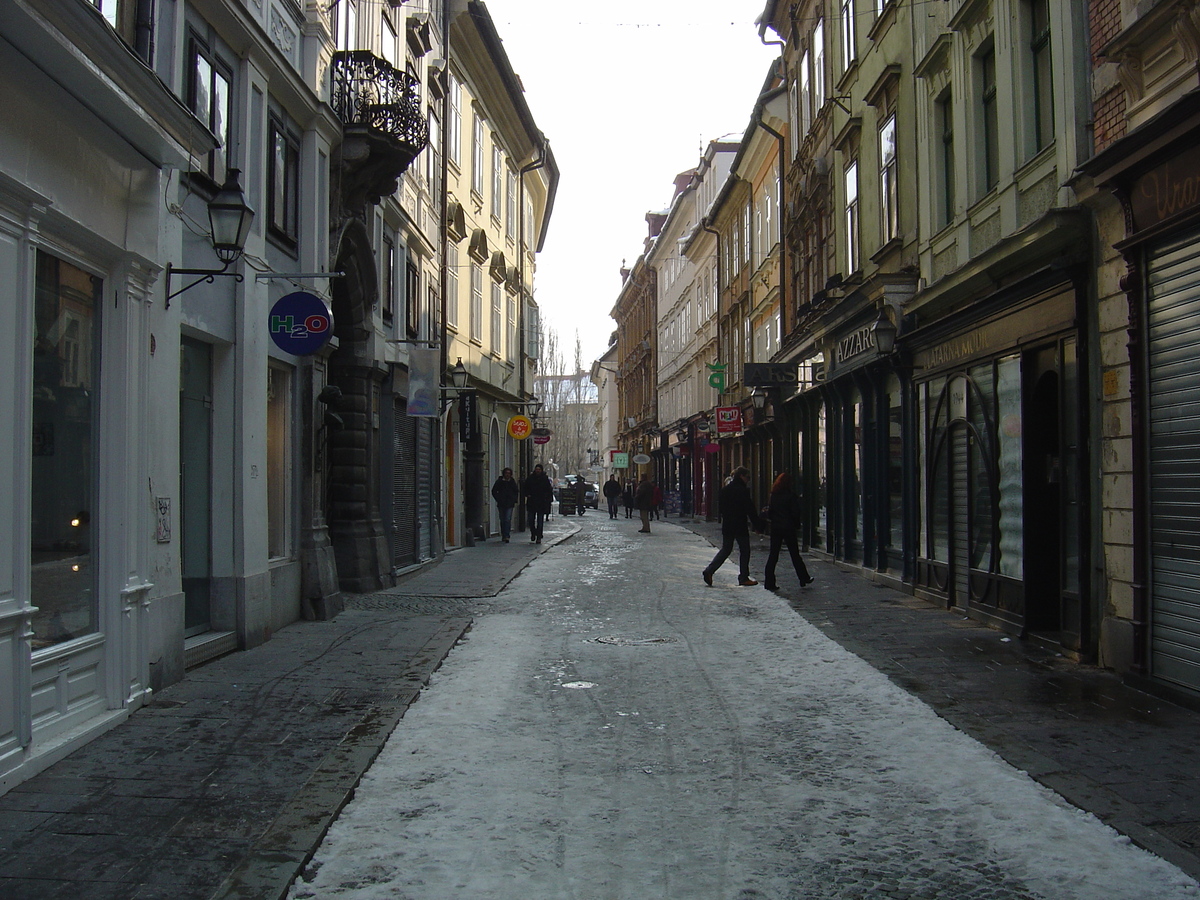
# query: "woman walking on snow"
784,514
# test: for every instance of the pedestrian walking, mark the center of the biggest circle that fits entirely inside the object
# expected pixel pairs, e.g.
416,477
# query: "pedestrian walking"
627,497
539,496
612,493
658,501
644,498
736,507
506,492
581,489
784,514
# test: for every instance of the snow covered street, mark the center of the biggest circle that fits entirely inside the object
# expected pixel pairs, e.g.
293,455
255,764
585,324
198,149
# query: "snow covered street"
619,730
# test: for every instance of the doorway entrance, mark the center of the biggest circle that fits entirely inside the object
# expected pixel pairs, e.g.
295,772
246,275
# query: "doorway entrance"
195,483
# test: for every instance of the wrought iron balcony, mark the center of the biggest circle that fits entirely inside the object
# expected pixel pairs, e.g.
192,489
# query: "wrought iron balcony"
379,106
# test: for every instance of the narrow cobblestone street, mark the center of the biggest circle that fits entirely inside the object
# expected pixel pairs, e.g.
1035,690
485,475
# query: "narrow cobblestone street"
612,728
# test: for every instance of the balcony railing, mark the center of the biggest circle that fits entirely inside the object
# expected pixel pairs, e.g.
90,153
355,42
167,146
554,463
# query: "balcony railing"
369,93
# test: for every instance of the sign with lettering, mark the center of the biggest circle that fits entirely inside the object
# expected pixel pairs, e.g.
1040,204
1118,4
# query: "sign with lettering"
1166,190
468,417
619,460
770,374
300,323
729,419
853,344
520,427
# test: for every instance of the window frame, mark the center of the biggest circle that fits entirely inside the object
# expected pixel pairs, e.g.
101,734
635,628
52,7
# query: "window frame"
989,122
889,191
219,160
851,215
283,226
1041,63
475,317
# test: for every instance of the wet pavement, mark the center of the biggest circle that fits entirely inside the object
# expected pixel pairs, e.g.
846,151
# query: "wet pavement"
224,785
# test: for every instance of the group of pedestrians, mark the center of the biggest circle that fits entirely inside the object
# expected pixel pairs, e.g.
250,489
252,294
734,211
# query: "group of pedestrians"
782,516
539,497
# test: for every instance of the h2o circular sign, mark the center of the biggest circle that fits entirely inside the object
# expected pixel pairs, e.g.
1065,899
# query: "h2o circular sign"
300,323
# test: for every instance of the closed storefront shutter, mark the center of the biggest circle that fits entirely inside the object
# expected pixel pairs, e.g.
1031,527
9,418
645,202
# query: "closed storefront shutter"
1173,326
424,486
404,488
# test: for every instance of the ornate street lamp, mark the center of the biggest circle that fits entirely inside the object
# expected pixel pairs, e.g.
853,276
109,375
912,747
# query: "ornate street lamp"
229,219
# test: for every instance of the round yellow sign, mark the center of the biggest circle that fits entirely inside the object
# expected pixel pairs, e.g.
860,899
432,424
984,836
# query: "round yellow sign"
520,427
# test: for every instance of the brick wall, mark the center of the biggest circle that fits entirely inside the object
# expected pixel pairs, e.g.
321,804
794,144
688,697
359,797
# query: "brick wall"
1109,117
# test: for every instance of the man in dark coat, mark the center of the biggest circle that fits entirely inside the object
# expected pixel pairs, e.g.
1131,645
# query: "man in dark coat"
612,493
737,508
506,492
644,498
539,495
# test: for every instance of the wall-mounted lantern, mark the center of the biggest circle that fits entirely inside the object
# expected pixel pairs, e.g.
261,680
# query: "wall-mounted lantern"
229,219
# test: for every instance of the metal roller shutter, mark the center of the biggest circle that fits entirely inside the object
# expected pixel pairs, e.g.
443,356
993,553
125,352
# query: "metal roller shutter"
404,488
1173,329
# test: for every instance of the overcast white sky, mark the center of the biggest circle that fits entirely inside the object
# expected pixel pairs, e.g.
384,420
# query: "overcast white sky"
628,96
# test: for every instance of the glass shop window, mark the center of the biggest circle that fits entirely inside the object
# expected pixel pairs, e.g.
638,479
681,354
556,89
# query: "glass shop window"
65,369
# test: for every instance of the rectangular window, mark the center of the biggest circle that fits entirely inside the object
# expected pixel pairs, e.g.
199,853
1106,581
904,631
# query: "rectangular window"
62,471
278,445
454,101
1043,75
433,156
818,48
476,325
478,129
345,24
852,243
945,123
889,195
849,45
805,111
452,286
746,230
510,218
497,320
512,326
283,181
387,37
412,294
989,122
209,90
497,182
388,281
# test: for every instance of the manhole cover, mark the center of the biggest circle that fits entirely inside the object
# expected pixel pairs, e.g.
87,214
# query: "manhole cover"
630,641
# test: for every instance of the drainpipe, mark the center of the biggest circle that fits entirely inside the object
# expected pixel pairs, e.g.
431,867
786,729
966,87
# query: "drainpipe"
526,445
709,505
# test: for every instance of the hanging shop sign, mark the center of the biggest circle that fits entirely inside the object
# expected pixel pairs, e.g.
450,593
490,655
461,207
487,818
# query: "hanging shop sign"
300,323
468,417
729,419
717,378
641,459
712,448
520,427
541,438
618,460
770,374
